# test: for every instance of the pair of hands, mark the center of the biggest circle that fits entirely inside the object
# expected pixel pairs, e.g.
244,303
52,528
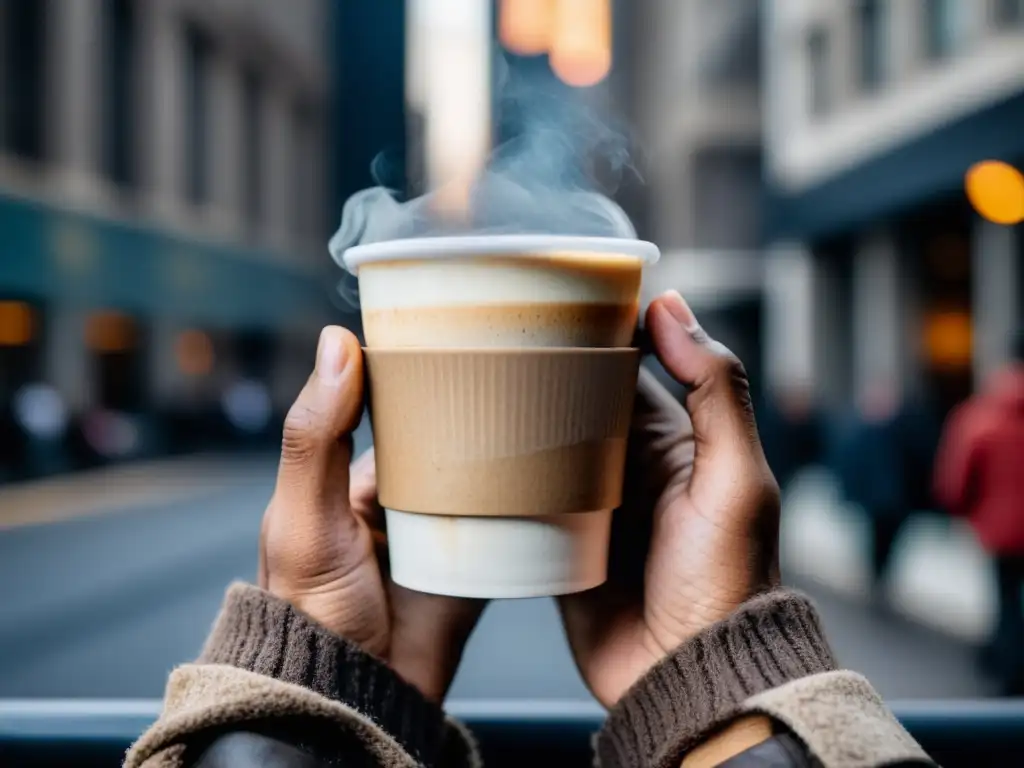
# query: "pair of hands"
696,537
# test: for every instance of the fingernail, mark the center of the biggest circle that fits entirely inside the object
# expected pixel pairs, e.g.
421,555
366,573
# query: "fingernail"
330,355
681,311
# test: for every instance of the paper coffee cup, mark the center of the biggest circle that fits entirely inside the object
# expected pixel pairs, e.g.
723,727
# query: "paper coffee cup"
501,385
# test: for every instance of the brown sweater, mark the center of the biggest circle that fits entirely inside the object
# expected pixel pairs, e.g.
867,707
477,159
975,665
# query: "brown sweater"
266,665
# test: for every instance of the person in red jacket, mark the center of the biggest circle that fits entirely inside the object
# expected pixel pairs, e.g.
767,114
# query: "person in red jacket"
979,474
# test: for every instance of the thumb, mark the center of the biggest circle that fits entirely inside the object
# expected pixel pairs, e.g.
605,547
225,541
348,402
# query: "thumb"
718,396
316,446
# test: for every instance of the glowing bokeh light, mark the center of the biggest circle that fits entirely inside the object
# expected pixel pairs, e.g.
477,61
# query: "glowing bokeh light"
110,331
194,352
996,190
949,339
524,26
16,323
581,44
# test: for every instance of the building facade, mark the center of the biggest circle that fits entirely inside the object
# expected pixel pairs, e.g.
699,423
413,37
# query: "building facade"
691,85
879,273
163,197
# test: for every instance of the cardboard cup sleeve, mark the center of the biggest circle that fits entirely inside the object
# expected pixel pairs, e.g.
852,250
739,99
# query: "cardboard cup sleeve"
501,432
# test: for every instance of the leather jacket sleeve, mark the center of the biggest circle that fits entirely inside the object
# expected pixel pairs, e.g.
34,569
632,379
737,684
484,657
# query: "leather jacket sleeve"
241,749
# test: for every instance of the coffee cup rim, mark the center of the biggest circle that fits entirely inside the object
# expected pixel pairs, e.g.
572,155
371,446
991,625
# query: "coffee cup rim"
424,248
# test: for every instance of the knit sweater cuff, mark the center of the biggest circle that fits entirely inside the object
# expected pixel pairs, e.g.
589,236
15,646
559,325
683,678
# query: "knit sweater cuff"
261,633
771,640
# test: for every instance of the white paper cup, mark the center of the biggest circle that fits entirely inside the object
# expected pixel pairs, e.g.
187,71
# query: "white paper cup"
496,557
465,293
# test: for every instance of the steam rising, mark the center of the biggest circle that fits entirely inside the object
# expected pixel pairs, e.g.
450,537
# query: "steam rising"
540,182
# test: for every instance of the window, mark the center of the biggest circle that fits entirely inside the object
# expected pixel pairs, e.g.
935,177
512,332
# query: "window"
23,87
303,157
197,110
1009,12
118,154
819,69
944,27
252,146
731,47
874,43
729,204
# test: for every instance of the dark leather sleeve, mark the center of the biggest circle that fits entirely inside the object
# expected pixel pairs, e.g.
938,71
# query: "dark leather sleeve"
289,743
785,751
243,749
781,751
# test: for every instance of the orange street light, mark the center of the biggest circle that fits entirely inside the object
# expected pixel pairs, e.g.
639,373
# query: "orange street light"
194,352
16,324
524,26
948,339
110,331
996,190
581,44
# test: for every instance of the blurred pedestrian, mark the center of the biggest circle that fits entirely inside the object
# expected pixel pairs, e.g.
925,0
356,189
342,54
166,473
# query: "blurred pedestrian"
979,474
11,448
871,462
249,412
790,430
41,416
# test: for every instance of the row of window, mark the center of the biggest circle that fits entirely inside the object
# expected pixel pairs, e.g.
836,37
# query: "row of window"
23,107
733,56
945,27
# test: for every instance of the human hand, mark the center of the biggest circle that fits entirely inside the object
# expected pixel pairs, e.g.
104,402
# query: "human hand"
323,545
697,534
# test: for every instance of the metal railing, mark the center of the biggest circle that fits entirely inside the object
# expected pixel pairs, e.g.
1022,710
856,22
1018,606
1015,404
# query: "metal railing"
41,719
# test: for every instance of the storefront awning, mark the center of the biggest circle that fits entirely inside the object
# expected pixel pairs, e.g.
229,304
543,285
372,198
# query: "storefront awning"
916,173
53,255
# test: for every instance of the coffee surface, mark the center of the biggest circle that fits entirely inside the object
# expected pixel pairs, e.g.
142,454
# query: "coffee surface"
503,325
541,279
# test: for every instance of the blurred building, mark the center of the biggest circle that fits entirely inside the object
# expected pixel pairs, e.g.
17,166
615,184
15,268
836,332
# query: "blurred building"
163,198
690,79
880,273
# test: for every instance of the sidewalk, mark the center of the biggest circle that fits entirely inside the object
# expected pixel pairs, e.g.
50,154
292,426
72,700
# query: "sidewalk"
128,486
940,577
138,484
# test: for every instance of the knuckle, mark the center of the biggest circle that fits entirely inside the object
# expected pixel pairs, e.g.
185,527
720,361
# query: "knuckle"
729,366
299,434
769,495
728,371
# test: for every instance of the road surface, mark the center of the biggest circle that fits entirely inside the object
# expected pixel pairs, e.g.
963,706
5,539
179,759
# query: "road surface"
105,604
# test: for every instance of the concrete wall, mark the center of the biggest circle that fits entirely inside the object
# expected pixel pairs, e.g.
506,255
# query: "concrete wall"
998,300
677,113
804,150
287,42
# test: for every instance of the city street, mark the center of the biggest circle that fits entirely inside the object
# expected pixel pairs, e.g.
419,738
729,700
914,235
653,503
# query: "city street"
105,604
